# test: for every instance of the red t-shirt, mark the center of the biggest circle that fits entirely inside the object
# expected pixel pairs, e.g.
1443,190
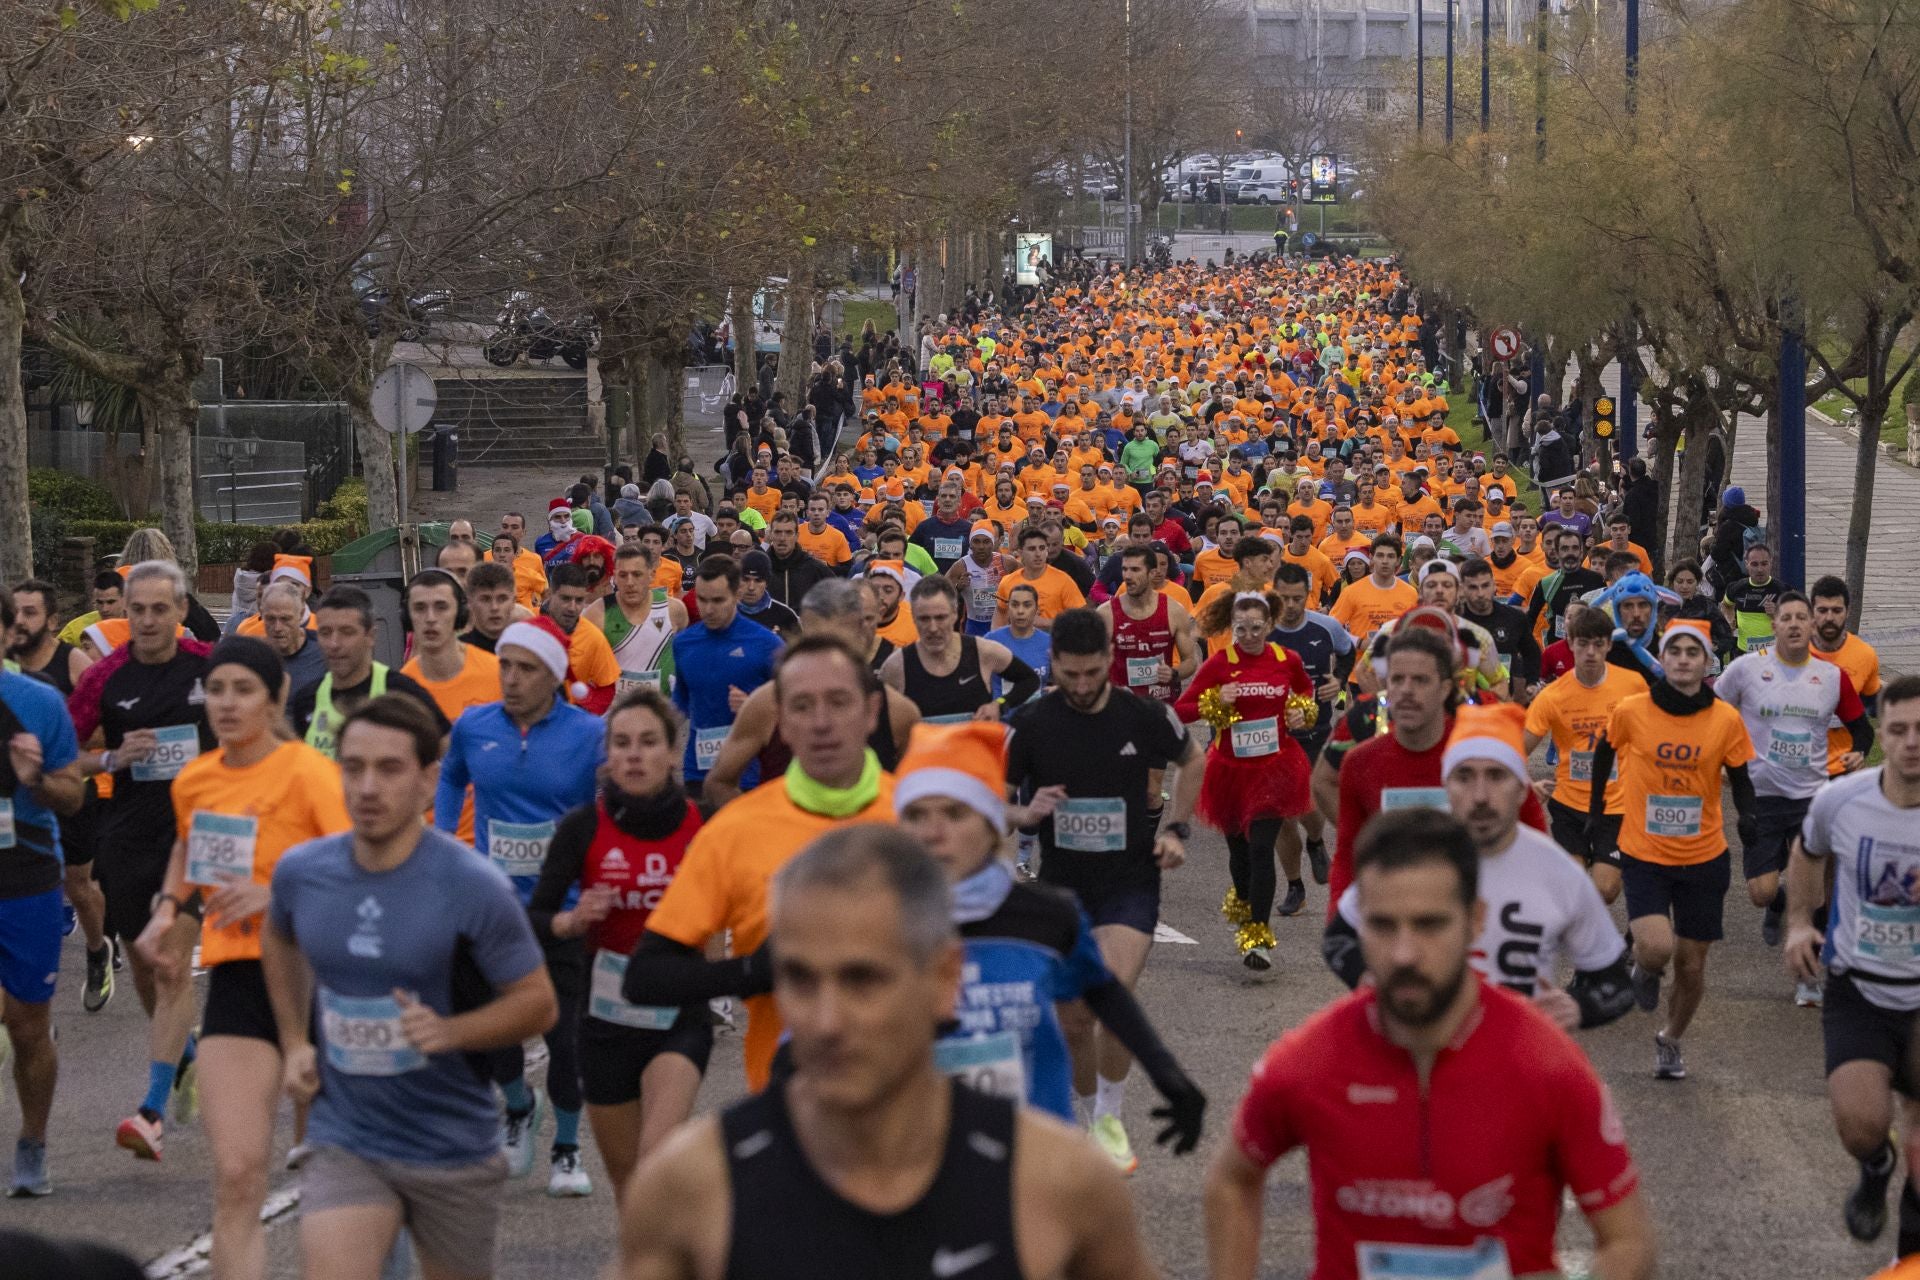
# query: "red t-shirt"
1381,774
1555,661
1391,1163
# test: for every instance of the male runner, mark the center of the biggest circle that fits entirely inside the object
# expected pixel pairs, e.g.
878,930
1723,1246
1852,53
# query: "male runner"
977,576
419,960
950,676
594,673
530,757
1571,579
456,675
146,705
1054,590
1572,713
868,1161
1539,909
1832,642
1673,744
1749,602
1787,698
1513,639
491,605
40,776
283,624
1390,1090
1326,650
1153,636
34,643
1859,835
717,664
828,704
1363,607
345,633
1084,752
639,620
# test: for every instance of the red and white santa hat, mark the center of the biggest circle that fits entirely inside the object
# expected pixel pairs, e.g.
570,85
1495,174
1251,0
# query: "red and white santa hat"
543,638
1496,733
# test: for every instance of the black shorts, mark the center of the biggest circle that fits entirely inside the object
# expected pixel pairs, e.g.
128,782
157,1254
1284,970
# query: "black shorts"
612,1057
1856,1029
237,1003
1693,895
130,880
1314,742
1588,839
1132,900
1778,820
80,834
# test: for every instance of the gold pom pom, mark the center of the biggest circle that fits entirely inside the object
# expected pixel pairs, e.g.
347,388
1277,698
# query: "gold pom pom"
1218,711
1306,705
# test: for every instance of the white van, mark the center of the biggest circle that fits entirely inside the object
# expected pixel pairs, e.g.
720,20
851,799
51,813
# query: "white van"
1261,183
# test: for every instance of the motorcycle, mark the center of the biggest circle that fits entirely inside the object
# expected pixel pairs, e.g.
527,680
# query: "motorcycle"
524,328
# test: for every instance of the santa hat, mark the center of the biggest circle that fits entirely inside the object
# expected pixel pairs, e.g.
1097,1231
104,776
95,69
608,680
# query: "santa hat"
1495,733
965,762
895,569
1698,628
543,638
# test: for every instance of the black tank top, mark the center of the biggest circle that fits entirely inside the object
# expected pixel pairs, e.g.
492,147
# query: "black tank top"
59,670
960,692
788,1223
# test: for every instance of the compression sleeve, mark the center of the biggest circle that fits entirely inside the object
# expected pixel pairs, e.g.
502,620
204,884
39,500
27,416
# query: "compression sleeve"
1860,729
1737,778
1602,994
1340,948
566,858
1121,1014
1018,682
664,972
1603,768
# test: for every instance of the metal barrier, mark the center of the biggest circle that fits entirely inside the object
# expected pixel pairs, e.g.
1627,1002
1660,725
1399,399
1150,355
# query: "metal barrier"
250,481
704,392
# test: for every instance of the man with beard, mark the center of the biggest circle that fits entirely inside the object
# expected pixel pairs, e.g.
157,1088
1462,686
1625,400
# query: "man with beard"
1832,642
1570,580
1397,1078
35,641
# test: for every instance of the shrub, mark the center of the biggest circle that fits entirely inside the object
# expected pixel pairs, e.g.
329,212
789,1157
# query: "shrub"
49,527
73,496
349,502
219,543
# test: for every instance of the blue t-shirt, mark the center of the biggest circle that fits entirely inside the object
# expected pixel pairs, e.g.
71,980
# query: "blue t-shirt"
36,831
526,782
1036,651
1319,643
706,664
367,934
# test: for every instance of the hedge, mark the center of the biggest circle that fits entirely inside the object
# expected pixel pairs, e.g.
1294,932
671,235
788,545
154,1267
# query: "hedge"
221,543
74,497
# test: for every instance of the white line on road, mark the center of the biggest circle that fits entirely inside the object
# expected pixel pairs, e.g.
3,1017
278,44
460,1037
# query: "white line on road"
193,1259
1164,932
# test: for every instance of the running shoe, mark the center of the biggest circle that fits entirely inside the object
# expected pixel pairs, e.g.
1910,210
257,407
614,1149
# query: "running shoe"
569,1178
1317,860
1234,907
99,988
1255,942
1112,1137
141,1135
30,1179
1770,926
1295,899
519,1136
1867,1203
1646,988
119,956
1809,995
186,1091
1667,1062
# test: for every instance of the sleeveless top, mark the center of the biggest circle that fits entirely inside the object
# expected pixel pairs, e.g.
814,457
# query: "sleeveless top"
788,1223
323,730
58,672
953,697
642,647
1139,645
982,584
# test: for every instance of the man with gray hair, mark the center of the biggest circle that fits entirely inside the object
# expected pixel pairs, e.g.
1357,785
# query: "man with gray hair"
141,713
284,620
866,967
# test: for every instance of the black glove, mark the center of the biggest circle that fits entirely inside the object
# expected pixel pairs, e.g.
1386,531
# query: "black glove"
757,969
1184,1107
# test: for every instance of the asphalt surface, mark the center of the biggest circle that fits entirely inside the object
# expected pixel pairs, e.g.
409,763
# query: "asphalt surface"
1739,1161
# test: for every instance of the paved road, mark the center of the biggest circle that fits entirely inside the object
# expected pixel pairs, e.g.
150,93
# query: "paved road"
1739,1160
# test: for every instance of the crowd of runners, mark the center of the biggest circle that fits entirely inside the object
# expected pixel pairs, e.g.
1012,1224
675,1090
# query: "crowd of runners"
885,765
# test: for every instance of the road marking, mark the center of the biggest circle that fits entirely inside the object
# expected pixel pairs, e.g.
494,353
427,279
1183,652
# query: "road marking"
1164,932
195,1258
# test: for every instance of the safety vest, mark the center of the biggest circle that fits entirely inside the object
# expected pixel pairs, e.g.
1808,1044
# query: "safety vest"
323,730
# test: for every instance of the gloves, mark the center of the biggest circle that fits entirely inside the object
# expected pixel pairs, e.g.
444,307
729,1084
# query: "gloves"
1183,1109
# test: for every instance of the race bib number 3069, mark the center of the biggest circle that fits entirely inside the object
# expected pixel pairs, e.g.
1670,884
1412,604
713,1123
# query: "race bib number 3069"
1091,826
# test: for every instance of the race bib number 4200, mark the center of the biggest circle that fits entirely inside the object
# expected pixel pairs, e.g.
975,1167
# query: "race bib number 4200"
519,848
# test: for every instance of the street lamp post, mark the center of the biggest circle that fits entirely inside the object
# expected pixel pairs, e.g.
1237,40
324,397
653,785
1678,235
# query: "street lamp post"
1449,72
1420,66
1126,195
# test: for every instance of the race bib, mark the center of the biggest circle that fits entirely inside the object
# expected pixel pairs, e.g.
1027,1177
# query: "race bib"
1091,826
1888,928
519,848
364,1037
949,548
631,680
173,746
220,847
1673,815
706,746
958,717
1506,664
7,835
1794,749
980,603
1413,798
1486,1260
1141,671
1255,738
605,1002
992,1064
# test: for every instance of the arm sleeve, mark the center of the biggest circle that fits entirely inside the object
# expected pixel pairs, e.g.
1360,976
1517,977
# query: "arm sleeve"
1018,681
665,972
1122,1015
1603,769
1340,948
566,858
1738,780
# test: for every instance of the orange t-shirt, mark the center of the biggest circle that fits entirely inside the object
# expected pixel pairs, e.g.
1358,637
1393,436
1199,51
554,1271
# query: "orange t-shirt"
829,546
1573,717
1670,778
723,880
1058,593
1857,658
478,682
247,817
1319,567
529,579
1364,608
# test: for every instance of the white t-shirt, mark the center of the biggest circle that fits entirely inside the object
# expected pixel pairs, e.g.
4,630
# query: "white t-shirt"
1874,924
1541,910
1787,710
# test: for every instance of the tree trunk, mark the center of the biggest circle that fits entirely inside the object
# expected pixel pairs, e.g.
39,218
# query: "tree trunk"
1663,466
664,406
376,461
1684,539
1866,458
745,342
16,524
796,340
170,406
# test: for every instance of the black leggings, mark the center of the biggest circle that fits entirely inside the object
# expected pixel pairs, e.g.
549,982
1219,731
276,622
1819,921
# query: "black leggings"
566,963
1250,861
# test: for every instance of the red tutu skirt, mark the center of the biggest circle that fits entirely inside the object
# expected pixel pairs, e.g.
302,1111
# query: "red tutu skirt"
1238,792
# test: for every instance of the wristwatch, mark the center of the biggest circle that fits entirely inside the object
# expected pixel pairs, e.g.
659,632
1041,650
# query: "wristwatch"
1182,829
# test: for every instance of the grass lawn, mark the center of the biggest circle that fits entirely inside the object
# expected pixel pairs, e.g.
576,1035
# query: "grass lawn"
856,313
1836,406
1460,416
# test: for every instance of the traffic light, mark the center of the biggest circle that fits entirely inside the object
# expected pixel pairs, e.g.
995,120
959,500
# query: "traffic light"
1603,417
1238,136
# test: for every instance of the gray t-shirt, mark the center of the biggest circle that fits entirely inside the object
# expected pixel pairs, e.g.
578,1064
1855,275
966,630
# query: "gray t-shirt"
367,934
1873,928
